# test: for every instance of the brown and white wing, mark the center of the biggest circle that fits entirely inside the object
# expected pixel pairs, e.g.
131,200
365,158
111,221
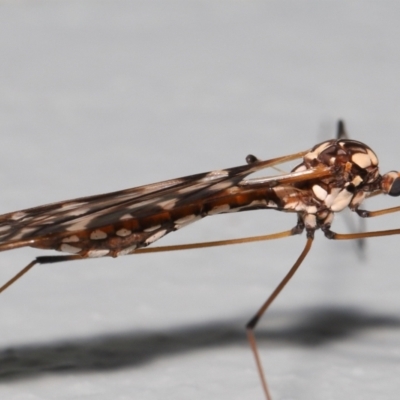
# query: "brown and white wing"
24,227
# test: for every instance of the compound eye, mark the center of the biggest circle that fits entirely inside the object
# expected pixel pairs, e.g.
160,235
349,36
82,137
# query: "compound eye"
395,188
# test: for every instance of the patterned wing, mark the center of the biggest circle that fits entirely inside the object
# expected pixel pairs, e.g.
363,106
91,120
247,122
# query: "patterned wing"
46,225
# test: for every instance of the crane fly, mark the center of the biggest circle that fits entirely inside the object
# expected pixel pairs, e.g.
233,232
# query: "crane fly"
333,175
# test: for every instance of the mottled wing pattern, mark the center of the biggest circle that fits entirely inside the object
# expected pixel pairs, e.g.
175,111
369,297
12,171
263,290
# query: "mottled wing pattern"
25,227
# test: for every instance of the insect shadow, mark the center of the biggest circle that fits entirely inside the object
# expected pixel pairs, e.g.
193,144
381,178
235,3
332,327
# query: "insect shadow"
311,328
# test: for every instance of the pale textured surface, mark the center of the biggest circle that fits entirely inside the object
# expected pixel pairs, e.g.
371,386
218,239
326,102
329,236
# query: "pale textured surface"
103,95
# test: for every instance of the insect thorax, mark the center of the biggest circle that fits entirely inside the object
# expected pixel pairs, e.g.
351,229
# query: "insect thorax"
355,173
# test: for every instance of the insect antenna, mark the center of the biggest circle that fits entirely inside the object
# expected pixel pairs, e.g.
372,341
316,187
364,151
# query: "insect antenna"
341,132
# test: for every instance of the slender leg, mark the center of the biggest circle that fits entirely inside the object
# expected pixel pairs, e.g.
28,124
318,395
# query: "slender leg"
360,235
53,259
377,213
295,231
16,277
38,260
253,322
371,214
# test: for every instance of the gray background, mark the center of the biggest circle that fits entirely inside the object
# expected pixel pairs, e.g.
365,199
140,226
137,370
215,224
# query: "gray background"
103,95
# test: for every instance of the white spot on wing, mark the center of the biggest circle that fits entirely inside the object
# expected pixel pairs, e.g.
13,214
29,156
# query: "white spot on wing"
78,226
158,186
216,175
181,222
190,188
156,236
98,235
152,228
71,239
141,204
128,250
4,228
186,220
97,253
220,186
18,216
256,203
126,216
24,232
167,204
69,249
68,206
79,211
123,232
219,209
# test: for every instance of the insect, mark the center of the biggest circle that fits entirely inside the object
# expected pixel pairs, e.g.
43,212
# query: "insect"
333,175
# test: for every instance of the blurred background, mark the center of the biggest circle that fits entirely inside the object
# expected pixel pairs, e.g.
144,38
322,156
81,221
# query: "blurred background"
104,95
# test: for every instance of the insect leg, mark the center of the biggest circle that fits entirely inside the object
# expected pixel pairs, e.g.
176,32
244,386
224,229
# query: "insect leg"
359,235
352,227
377,213
38,260
189,246
253,322
369,214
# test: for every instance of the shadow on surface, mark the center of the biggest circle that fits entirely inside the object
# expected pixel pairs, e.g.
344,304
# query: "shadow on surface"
109,352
